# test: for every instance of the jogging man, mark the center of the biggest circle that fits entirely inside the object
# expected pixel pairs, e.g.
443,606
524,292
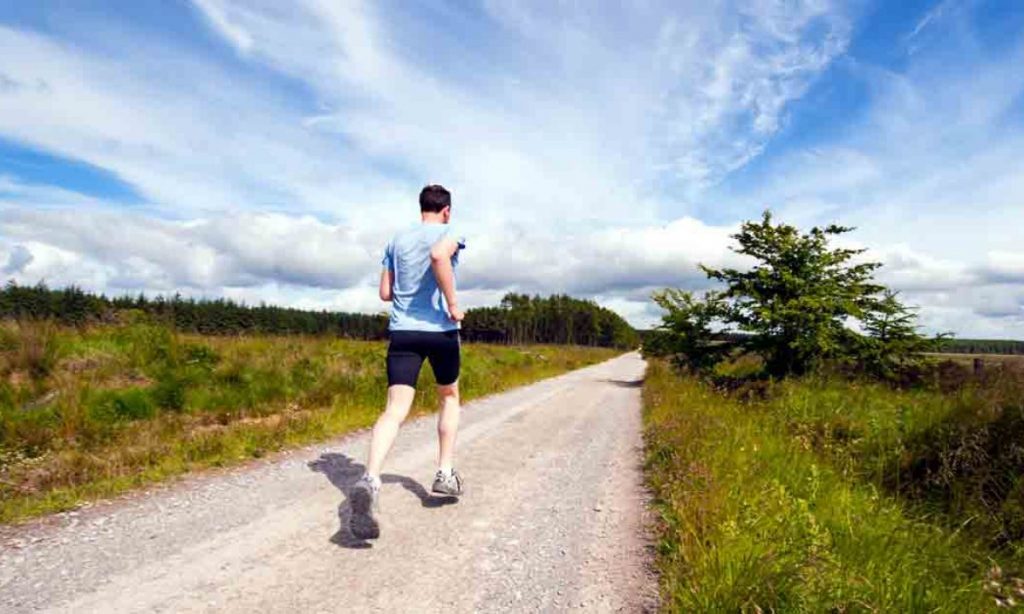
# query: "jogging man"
418,278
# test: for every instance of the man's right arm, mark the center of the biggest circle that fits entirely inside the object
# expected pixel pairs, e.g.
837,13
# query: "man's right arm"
387,285
441,263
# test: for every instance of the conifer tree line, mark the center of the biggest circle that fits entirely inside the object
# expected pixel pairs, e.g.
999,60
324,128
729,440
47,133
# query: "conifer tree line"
519,319
981,346
557,319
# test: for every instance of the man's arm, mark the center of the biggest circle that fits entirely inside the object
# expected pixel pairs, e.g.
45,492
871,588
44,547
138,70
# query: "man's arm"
387,281
441,262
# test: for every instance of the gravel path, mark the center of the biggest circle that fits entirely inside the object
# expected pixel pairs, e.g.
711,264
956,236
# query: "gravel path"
552,520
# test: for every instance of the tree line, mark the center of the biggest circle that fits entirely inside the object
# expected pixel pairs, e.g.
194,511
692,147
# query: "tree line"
981,346
557,319
519,318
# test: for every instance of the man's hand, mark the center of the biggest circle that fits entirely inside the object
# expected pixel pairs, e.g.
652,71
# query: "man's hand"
455,314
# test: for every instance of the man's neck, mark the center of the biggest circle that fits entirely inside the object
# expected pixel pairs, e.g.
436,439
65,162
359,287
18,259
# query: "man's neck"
432,218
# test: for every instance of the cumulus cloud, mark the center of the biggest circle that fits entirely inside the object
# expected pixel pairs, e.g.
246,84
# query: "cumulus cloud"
238,250
244,250
1005,267
17,260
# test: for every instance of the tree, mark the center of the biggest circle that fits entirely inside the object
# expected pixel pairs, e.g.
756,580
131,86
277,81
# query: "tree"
795,300
686,334
892,342
793,306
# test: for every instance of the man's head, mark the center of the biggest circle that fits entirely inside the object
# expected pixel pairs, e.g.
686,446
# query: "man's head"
436,203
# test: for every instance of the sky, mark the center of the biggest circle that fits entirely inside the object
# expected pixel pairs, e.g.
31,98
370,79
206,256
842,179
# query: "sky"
266,151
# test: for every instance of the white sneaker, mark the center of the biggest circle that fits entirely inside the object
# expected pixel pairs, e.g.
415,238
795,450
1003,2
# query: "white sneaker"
364,500
447,484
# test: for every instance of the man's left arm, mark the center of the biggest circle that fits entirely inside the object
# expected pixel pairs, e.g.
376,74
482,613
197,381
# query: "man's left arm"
387,275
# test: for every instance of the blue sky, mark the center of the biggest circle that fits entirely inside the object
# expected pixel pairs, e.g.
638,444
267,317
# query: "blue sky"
239,148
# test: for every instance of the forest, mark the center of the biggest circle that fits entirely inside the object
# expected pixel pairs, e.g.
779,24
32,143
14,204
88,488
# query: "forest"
519,319
558,319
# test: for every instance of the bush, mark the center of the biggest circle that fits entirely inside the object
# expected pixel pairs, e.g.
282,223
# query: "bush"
133,404
148,347
201,356
31,346
169,392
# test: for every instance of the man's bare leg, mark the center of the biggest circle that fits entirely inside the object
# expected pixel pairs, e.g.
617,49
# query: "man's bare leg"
447,425
400,400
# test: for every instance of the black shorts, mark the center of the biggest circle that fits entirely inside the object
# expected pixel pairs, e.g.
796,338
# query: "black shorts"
408,348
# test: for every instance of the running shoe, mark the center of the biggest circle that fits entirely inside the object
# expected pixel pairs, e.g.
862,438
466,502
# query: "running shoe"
447,484
364,499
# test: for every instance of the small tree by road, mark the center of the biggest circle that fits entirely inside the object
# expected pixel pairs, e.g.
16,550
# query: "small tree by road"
797,305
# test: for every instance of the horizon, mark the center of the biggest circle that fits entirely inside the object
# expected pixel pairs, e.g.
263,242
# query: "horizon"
240,151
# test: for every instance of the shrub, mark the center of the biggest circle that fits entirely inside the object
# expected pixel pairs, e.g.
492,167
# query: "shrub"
169,392
35,348
133,404
201,356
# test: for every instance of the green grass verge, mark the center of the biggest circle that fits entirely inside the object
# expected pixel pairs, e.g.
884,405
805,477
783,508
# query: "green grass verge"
93,413
755,518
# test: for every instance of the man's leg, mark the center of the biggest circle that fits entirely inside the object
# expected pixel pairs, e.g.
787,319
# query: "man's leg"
447,425
400,398
445,360
403,364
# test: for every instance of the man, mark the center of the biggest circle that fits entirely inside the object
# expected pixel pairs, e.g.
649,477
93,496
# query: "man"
418,278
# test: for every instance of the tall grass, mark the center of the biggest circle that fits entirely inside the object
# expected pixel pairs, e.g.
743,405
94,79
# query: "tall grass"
957,455
89,413
755,518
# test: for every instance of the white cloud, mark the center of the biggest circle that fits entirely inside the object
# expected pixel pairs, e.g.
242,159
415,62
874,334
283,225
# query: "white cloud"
571,136
129,251
1006,267
932,178
135,252
184,132
215,13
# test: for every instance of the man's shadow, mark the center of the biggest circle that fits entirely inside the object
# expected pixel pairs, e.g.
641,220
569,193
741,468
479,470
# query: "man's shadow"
344,472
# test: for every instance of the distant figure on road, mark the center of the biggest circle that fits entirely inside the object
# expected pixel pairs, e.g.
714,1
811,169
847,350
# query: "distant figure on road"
418,278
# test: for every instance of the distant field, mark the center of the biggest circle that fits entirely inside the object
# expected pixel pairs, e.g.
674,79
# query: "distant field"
93,412
1017,359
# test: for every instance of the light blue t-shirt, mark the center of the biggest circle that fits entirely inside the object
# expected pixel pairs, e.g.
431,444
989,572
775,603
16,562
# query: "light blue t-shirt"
417,301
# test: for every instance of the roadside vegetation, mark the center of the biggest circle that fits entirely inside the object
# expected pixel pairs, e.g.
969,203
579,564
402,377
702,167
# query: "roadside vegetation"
808,451
91,411
829,498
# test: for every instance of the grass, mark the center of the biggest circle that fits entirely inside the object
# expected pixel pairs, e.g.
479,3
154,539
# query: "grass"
957,456
90,413
786,501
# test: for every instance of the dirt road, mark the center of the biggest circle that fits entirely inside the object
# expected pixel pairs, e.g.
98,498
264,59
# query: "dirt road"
551,520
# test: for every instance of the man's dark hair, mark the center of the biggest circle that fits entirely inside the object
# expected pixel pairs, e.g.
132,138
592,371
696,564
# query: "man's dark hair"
434,198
